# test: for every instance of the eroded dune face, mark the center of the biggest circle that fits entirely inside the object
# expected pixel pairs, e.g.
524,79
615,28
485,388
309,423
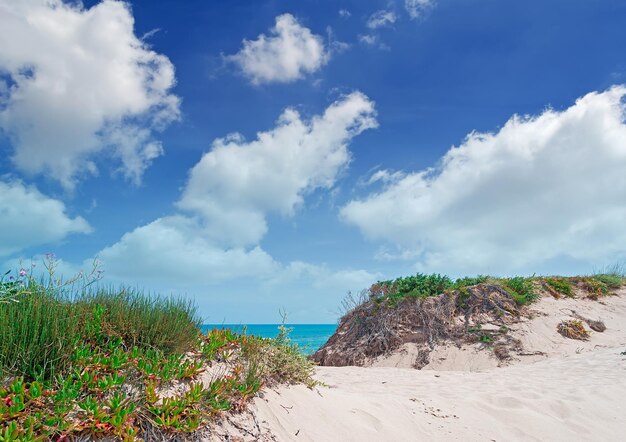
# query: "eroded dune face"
475,330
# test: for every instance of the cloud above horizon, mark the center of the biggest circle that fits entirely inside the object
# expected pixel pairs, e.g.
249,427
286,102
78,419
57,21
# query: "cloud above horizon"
28,218
290,52
78,83
237,183
542,187
231,190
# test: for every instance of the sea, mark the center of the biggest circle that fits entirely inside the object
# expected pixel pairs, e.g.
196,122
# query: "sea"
309,337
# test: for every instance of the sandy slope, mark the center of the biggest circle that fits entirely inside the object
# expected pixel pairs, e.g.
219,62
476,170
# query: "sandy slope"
573,398
574,391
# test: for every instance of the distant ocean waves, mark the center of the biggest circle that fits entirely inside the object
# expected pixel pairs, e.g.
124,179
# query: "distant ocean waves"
309,337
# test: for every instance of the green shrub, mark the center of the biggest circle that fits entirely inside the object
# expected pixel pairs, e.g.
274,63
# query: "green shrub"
560,285
612,281
468,281
521,289
418,286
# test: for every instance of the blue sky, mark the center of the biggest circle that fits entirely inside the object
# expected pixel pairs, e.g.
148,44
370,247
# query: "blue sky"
265,155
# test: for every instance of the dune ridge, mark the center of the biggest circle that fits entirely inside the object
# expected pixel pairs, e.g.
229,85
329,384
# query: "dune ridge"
555,389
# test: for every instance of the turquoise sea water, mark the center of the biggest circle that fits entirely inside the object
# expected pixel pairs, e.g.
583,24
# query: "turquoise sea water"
309,337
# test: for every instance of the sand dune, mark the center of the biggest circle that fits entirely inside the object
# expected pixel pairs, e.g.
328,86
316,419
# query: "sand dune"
573,398
573,391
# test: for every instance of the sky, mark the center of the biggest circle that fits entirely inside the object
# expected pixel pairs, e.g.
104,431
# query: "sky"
258,156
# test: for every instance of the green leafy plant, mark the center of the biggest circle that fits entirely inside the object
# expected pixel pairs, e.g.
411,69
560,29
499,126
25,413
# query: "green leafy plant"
560,285
521,289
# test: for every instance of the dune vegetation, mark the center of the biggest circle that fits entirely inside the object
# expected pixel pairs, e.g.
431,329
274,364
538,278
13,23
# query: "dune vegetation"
430,309
77,360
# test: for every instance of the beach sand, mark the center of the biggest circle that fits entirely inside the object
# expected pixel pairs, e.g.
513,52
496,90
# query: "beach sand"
572,391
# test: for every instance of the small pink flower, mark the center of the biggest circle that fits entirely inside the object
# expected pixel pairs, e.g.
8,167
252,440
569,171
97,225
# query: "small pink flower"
22,272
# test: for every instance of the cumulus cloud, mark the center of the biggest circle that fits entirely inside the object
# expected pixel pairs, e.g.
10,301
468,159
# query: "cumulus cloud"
175,250
417,8
214,240
344,13
543,187
381,19
28,218
289,53
236,184
77,82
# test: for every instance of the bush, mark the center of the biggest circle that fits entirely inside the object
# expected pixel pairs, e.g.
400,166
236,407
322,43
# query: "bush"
560,285
418,286
521,289
612,281
469,281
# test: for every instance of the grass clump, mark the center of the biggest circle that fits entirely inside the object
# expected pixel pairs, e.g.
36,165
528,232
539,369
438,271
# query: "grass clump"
39,333
561,286
611,281
521,289
573,329
167,324
278,360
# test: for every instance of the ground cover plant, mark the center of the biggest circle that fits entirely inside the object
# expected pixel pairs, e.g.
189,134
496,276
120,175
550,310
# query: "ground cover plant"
117,363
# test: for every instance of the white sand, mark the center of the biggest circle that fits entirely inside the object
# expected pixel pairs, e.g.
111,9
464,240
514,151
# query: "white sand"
576,398
576,392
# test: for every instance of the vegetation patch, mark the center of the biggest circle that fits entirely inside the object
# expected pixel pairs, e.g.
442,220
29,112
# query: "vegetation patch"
522,289
425,310
121,365
559,286
573,329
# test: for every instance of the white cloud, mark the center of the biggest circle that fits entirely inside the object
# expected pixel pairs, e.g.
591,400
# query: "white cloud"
237,183
373,41
384,176
78,82
542,188
344,13
28,218
214,241
381,19
368,39
321,277
417,8
288,54
176,250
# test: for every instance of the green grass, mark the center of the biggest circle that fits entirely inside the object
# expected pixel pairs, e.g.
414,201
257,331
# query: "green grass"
96,364
560,285
521,289
167,324
41,326
611,281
